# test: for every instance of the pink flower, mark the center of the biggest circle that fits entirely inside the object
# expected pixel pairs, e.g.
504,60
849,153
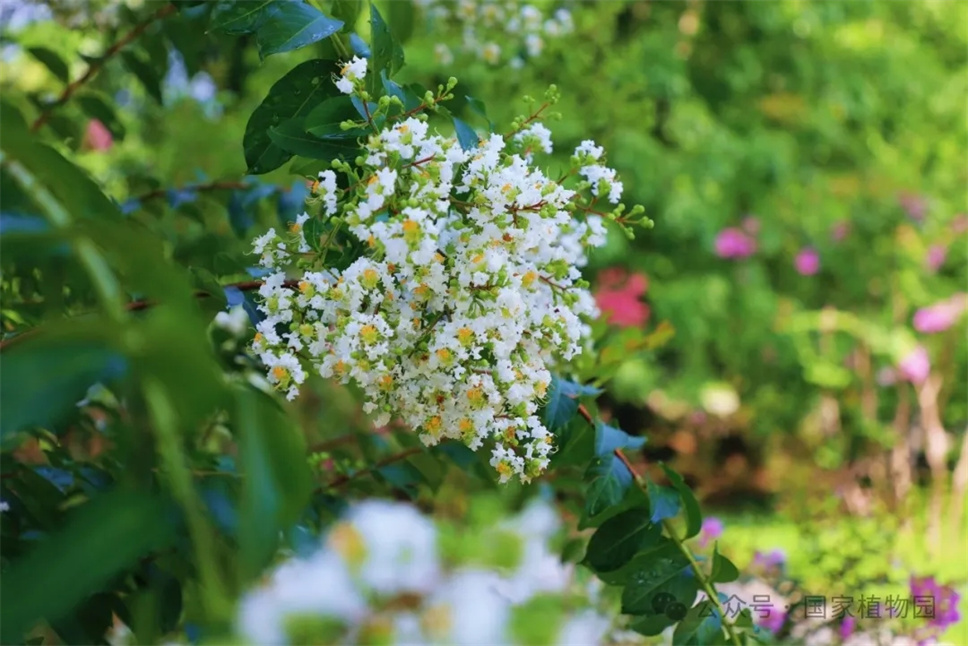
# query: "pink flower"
847,626
915,365
772,618
914,205
839,231
940,316
712,528
935,257
807,261
734,243
960,223
98,137
618,296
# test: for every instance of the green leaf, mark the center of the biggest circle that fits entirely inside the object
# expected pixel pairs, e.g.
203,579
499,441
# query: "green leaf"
604,492
664,501
651,625
387,53
234,17
96,106
145,73
652,588
106,536
324,120
400,18
291,137
43,380
348,11
404,477
660,548
689,502
609,439
294,95
560,407
702,625
466,136
723,570
291,25
52,62
619,538
278,481
477,107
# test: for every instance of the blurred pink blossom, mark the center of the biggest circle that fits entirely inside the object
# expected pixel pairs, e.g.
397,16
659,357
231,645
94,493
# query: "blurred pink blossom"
915,366
751,225
734,243
619,297
98,137
935,257
914,205
807,261
940,316
772,618
840,230
960,223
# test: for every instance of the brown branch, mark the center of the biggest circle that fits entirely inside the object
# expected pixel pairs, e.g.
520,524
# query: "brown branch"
396,457
95,66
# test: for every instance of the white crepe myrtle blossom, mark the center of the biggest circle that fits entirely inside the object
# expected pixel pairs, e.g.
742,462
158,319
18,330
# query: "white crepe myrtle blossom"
385,574
467,293
351,75
497,32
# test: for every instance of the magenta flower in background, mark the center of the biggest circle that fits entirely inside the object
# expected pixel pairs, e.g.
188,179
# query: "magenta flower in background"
937,603
840,230
769,560
935,257
915,366
940,316
807,261
734,243
618,297
771,618
847,626
914,205
712,528
97,136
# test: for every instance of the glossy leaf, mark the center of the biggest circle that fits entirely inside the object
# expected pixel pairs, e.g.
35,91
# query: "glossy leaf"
290,25
619,538
52,61
702,625
723,569
387,54
294,95
689,502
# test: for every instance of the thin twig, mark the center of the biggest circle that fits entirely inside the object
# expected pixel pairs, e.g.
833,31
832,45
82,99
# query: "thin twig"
396,457
96,65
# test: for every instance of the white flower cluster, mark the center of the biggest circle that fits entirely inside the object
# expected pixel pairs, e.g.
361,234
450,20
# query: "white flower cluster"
467,293
498,31
384,575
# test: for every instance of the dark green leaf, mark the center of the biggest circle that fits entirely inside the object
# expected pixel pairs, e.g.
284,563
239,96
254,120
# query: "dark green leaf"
651,625
617,541
652,587
661,548
291,25
400,19
294,95
277,483
387,53
97,107
324,120
723,569
702,626
291,137
145,73
234,17
560,408
465,135
689,502
664,501
604,492
348,11
403,476
43,380
477,107
106,536
52,62
608,439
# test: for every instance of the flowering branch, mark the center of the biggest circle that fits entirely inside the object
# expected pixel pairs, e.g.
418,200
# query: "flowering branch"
667,525
97,64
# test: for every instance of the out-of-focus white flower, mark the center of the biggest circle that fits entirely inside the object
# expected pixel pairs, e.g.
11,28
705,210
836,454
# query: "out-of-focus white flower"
719,399
235,321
